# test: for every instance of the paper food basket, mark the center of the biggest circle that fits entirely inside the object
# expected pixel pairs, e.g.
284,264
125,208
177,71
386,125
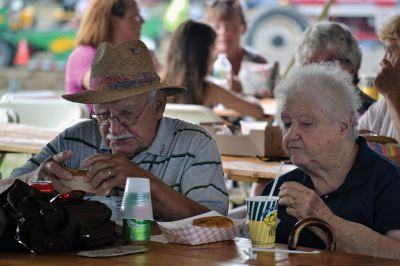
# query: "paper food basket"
184,232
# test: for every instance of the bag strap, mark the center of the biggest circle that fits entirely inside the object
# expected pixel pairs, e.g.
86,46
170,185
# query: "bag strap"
4,218
18,234
5,209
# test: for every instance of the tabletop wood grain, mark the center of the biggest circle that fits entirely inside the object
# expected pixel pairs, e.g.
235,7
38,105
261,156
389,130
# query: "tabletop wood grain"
22,138
268,105
253,169
233,252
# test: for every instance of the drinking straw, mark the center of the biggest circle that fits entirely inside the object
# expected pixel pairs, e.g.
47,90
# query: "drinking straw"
275,181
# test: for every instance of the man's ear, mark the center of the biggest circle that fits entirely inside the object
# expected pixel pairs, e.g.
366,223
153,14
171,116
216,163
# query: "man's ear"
161,101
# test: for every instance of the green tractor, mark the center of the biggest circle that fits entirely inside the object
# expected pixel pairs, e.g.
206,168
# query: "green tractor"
17,22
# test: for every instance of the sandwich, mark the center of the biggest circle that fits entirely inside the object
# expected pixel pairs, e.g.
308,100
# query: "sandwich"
213,222
77,182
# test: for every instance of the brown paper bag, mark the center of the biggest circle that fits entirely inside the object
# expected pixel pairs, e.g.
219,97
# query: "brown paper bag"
273,142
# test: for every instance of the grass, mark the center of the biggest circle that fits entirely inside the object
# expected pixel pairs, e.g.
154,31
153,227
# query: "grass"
11,161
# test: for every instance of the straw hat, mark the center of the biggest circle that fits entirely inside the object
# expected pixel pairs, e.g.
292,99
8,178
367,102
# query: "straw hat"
119,72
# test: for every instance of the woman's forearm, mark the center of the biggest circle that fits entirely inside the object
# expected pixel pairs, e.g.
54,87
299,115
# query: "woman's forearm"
356,238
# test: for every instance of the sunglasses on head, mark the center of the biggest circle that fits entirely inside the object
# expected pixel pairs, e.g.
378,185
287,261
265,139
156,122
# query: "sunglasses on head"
216,2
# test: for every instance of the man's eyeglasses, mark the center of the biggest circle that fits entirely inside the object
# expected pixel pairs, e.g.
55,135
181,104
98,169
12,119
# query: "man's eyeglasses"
124,118
340,61
344,62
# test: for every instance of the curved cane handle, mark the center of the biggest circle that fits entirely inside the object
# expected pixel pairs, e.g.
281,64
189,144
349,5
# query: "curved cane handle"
324,226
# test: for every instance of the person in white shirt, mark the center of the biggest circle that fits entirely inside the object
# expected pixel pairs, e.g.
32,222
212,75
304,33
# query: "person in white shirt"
383,118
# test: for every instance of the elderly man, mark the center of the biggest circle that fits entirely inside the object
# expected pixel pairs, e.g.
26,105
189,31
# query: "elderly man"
339,178
332,42
129,137
383,117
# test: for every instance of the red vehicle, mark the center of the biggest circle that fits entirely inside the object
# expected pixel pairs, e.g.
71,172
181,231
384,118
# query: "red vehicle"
275,28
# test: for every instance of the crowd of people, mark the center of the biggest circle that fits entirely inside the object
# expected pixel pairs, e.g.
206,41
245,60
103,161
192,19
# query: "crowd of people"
320,110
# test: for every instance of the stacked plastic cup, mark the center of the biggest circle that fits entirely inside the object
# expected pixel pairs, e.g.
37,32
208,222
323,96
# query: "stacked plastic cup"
136,209
262,215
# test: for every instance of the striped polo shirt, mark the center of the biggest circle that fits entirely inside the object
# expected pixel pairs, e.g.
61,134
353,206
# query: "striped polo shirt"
184,156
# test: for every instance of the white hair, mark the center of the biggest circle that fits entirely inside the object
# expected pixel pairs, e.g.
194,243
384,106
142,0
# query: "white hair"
152,96
329,85
325,35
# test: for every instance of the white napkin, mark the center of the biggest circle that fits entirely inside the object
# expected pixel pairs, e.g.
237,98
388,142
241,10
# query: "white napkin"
253,251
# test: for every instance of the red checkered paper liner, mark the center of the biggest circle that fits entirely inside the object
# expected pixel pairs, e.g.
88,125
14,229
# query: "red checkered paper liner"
184,232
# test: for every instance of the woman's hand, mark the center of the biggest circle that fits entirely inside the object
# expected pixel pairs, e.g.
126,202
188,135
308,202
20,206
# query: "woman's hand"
302,202
235,84
106,171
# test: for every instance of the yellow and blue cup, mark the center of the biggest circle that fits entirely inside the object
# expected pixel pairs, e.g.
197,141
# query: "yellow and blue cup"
262,213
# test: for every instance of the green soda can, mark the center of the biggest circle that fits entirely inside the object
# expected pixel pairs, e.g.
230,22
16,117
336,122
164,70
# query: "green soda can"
136,230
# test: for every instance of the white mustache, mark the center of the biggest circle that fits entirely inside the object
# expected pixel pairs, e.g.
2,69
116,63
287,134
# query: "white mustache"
119,137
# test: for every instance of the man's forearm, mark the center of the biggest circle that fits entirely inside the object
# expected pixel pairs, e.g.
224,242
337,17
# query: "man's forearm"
170,205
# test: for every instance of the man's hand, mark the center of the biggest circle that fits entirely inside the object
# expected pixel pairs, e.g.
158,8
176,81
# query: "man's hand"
106,171
52,169
302,202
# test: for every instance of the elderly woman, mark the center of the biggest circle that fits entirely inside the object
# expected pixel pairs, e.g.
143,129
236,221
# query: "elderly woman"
333,42
339,178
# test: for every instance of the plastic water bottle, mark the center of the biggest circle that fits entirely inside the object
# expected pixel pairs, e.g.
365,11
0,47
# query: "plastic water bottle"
222,69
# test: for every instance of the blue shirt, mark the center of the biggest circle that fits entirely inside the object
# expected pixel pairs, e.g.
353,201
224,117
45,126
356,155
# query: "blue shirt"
370,195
